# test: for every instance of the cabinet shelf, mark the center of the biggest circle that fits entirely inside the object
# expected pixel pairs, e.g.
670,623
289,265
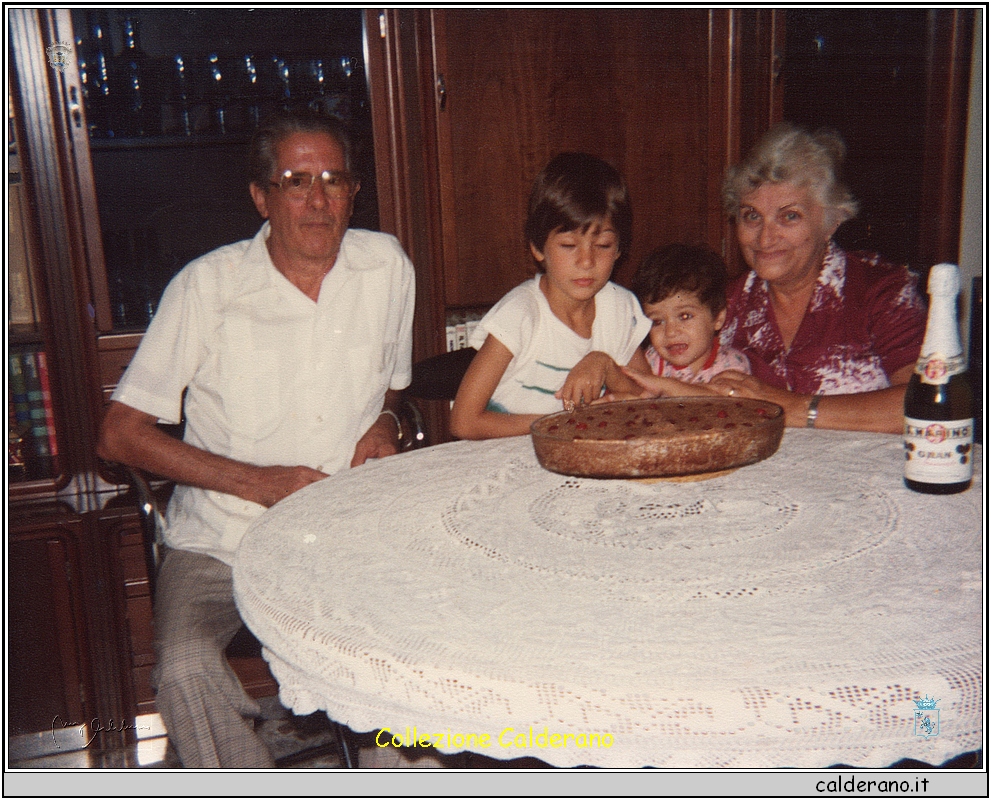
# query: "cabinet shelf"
126,144
23,334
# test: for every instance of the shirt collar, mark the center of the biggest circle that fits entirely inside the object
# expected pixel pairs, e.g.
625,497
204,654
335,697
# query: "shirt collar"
832,277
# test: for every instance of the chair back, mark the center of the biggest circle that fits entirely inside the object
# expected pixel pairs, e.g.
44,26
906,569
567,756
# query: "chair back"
438,377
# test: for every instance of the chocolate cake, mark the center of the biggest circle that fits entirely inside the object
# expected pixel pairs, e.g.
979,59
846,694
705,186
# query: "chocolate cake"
661,437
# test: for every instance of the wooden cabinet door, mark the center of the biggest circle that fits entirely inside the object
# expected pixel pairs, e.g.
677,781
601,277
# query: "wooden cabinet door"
49,689
650,91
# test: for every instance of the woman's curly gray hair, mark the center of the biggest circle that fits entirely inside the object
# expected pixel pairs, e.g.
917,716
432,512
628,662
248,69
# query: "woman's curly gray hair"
790,154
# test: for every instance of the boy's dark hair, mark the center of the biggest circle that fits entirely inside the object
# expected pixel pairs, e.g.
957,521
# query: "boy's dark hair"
682,268
572,192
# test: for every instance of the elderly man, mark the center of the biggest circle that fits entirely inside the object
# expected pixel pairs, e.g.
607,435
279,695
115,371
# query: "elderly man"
290,349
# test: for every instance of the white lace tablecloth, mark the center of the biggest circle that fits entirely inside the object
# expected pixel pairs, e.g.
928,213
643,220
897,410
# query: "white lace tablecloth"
788,614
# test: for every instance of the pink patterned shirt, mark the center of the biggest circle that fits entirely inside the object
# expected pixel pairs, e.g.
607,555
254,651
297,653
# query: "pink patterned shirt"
720,359
865,321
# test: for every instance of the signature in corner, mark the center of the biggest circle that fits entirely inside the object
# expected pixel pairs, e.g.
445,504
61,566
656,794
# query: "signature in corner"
96,726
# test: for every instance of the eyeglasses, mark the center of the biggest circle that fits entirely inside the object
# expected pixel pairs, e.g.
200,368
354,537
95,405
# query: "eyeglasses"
335,185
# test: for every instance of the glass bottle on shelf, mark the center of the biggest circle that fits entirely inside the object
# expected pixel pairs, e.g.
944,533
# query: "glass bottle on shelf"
282,87
178,97
226,94
251,89
217,92
95,51
134,97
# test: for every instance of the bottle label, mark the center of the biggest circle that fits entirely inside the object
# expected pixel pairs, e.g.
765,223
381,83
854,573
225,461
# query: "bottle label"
936,369
939,452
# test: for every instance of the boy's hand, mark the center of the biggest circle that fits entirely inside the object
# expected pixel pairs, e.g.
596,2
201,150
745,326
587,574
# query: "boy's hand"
585,381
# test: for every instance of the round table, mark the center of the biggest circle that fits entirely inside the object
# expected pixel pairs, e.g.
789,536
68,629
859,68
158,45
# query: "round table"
805,611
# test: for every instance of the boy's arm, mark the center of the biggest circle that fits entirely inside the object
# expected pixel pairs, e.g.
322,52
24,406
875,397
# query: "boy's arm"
469,417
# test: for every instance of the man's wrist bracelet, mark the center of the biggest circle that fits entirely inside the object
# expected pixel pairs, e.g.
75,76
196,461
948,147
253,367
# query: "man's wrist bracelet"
813,414
399,425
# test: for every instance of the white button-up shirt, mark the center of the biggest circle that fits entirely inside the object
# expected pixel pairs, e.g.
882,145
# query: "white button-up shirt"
271,377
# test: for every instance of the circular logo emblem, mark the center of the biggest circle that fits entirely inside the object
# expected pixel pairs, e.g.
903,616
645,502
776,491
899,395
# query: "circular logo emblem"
58,55
935,369
935,433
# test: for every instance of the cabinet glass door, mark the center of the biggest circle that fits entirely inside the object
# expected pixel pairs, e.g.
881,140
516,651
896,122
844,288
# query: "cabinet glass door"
171,98
32,440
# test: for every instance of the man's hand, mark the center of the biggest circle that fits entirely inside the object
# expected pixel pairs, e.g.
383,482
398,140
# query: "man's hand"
131,437
379,441
272,484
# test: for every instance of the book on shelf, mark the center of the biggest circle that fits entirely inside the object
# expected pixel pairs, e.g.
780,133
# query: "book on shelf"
36,404
459,328
32,444
46,400
19,394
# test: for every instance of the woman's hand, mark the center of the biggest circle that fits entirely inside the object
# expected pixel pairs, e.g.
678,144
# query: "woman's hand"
881,411
738,384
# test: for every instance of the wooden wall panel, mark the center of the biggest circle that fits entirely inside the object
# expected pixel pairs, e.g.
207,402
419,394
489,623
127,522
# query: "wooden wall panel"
631,86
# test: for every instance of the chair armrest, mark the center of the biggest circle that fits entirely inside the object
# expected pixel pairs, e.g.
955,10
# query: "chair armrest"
412,429
150,504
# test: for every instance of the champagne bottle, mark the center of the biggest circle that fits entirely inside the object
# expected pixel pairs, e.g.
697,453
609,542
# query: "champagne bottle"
939,404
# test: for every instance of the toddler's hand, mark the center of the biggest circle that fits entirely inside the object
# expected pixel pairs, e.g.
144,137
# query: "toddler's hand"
652,385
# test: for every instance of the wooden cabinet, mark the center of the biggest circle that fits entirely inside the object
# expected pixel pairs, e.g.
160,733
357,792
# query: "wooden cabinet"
641,89
479,100
892,82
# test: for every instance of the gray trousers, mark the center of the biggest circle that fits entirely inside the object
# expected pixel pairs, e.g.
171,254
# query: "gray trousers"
208,715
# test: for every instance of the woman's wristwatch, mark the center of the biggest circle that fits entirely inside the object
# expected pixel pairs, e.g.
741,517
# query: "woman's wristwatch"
813,412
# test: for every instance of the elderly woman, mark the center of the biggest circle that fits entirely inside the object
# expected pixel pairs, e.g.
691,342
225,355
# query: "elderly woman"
832,336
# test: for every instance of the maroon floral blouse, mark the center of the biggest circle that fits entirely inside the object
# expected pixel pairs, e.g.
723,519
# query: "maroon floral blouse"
865,321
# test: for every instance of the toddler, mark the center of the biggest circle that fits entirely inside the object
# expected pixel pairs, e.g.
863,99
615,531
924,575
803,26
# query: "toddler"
540,347
683,292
